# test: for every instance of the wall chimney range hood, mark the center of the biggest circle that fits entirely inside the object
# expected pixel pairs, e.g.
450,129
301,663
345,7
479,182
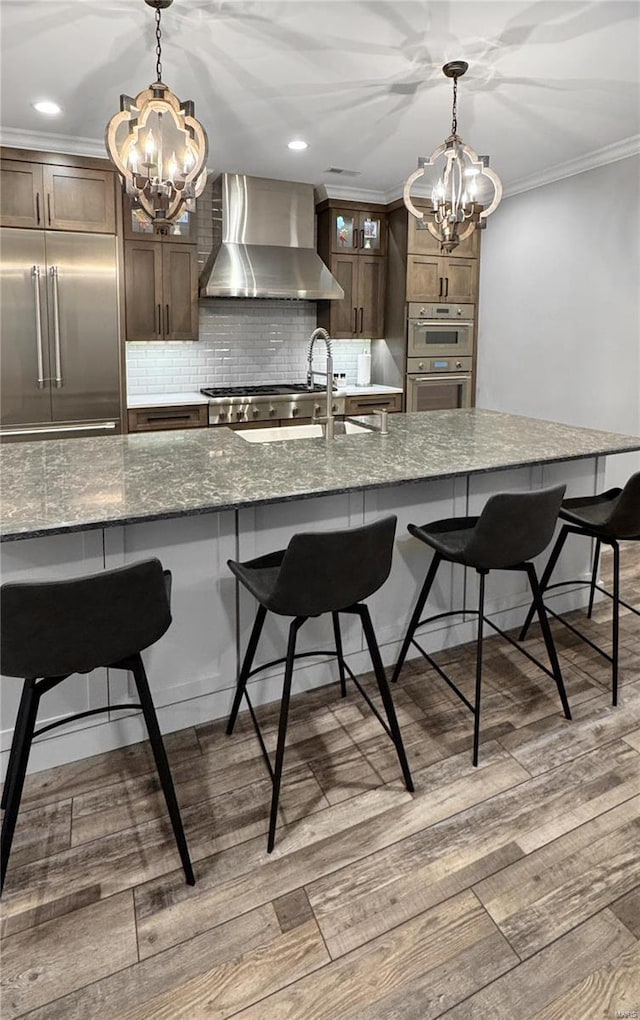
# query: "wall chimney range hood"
264,242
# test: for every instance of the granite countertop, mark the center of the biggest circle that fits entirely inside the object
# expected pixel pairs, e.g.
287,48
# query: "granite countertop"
75,484
182,399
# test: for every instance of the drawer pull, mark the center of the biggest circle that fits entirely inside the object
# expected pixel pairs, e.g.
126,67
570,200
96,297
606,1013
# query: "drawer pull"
169,417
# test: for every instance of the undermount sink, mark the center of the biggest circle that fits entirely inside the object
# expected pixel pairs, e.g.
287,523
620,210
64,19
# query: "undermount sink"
278,434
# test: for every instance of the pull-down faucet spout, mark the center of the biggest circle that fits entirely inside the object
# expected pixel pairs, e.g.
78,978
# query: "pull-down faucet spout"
327,419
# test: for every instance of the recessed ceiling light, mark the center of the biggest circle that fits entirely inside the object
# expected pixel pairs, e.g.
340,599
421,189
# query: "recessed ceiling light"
47,107
297,145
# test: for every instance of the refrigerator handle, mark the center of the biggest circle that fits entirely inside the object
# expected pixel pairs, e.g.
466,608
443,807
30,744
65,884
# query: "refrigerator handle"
56,326
35,276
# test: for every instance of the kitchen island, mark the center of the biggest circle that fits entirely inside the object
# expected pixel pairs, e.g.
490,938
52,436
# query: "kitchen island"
199,497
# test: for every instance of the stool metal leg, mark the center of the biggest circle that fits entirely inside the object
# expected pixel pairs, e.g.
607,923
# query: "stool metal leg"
20,748
162,764
544,580
616,622
385,693
478,693
338,639
246,666
282,729
594,576
538,604
417,613
13,753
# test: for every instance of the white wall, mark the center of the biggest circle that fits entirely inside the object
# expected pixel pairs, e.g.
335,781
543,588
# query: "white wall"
559,313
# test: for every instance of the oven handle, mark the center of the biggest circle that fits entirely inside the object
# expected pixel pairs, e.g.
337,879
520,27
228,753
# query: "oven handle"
442,376
441,322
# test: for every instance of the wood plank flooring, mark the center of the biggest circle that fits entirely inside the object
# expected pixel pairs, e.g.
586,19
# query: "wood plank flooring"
510,890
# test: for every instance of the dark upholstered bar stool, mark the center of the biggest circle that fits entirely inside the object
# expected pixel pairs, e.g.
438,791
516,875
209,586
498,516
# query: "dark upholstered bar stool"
51,630
319,572
512,529
608,518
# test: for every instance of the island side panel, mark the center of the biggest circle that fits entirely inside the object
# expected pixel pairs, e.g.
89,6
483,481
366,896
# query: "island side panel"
192,667
54,557
268,528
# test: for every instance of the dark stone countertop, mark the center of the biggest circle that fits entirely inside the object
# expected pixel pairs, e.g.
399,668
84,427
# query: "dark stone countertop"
64,485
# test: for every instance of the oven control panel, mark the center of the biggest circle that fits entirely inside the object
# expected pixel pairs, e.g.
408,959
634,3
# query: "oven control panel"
448,364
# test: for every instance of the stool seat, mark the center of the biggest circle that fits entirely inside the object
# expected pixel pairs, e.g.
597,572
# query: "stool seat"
50,630
319,572
606,514
512,529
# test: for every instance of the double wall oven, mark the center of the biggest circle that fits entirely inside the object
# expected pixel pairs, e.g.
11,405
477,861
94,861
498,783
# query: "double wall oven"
439,356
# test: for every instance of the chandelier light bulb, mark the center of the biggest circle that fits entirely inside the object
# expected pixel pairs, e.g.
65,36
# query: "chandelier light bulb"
456,213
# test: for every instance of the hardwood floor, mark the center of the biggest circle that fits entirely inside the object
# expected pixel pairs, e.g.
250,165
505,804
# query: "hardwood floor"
510,890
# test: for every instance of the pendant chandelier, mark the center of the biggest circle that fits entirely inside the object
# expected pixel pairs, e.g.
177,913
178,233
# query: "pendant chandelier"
466,191
158,146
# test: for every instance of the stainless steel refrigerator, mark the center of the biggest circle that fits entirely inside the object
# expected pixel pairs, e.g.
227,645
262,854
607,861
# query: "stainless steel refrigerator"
59,352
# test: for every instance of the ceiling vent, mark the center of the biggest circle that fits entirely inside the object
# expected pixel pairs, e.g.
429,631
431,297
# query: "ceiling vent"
342,171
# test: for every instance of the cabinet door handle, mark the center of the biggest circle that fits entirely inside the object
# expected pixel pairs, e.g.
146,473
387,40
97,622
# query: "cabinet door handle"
355,320
361,319
168,321
362,237
38,207
446,286
49,207
159,329
35,276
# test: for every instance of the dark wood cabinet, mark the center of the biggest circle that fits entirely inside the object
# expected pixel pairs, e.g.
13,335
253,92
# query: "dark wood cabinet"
161,290
369,402
57,197
153,419
420,241
441,278
352,241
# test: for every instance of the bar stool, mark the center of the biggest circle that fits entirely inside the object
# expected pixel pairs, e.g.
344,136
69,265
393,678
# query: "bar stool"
512,528
319,572
50,630
608,518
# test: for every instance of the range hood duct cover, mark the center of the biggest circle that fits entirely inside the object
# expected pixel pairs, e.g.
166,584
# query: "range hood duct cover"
263,243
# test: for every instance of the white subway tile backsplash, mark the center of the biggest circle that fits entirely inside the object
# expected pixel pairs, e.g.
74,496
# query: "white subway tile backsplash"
243,341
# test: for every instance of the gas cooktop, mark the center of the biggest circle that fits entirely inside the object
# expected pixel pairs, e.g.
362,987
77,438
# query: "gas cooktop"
272,390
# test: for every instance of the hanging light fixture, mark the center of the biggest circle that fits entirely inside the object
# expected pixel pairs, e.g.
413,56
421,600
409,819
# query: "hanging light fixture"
460,198
158,146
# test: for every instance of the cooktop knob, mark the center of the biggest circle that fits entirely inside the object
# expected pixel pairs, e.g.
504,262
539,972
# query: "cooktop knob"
272,412
256,412
294,411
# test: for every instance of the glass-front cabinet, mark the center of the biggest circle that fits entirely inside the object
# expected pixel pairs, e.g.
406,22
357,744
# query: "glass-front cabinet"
357,231
138,225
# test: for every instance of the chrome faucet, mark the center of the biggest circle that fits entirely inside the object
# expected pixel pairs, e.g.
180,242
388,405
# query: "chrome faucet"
327,419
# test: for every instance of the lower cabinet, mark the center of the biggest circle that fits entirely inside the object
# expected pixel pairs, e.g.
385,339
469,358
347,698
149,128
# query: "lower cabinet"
152,419
373,402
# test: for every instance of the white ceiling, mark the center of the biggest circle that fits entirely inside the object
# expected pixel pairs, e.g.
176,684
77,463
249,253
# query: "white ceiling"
549,81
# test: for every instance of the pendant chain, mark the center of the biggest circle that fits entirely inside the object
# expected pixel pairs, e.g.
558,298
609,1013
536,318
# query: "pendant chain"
158,47
454,112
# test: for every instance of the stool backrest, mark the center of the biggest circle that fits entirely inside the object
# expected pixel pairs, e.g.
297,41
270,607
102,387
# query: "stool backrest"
326,571
54,628
514,527
624,521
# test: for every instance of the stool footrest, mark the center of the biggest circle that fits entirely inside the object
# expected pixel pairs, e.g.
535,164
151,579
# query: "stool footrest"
298,655
447,679
578,633
83,715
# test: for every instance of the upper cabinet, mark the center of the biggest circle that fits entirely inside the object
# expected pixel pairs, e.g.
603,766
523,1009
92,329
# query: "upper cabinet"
442,278
352,241
356,231
57,197
161,291
420,241
137,225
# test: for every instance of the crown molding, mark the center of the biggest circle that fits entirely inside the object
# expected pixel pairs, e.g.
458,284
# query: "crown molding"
598,157
349,194
46,142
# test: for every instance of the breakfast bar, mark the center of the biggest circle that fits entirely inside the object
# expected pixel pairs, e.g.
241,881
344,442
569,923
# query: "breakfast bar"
197,498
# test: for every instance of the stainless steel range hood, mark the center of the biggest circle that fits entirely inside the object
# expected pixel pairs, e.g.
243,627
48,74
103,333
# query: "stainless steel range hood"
263,244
